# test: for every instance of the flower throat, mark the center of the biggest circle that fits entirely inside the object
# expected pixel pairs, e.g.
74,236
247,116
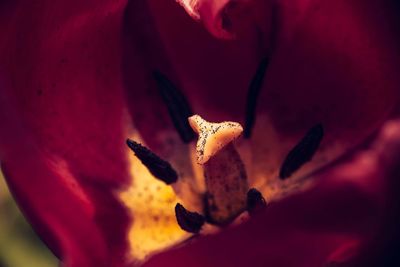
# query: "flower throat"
227,190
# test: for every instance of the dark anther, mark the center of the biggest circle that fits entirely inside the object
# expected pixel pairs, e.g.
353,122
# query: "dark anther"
255,201
158,167
302,152
189,221
178,107
252,95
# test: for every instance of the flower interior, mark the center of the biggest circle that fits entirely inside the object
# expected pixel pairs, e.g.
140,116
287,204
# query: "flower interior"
202,185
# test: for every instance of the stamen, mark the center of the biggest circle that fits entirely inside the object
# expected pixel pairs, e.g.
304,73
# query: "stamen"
252,95
224,172
188,221
178,107
255,201
302,152
158,167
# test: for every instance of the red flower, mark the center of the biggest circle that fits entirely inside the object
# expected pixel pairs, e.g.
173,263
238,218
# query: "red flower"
76,77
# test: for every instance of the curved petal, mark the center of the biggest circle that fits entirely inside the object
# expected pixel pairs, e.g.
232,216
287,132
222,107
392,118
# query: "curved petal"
62,64
42,192
382,249
331,223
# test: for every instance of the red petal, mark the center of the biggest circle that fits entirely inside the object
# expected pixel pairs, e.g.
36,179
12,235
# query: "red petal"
67,158
51,199
337,65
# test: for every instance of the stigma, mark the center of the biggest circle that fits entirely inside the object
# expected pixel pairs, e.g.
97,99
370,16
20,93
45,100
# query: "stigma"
213,136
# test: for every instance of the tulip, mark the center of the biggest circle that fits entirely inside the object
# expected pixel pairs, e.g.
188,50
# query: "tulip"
314,84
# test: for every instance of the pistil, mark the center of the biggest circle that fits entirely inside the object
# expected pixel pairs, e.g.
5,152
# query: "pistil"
224,171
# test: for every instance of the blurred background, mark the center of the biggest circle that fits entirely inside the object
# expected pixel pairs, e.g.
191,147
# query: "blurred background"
19,245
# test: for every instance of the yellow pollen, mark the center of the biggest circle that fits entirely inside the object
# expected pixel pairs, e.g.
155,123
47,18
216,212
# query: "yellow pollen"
152,203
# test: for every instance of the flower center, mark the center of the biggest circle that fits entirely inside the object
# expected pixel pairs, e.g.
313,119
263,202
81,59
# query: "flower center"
227,192
210,191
